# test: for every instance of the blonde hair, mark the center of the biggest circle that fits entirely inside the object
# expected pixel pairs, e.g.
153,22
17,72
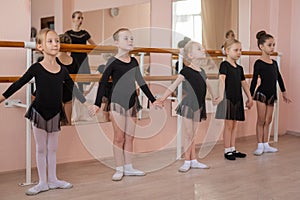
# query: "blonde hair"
41,36
187,50
228,43
116,34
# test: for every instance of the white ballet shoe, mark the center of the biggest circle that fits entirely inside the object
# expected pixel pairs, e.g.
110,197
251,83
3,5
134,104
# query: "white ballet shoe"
270,150
258,151
198,165
37,189
118,176
185,167
59,185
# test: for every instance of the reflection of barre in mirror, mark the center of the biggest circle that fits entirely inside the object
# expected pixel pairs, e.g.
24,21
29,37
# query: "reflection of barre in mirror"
90,139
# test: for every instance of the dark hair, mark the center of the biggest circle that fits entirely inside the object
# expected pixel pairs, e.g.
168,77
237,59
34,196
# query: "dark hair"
261,37
75,13
65,38
116,34
228,33
183,42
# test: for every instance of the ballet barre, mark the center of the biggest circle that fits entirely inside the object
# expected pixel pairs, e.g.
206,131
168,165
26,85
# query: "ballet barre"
141,52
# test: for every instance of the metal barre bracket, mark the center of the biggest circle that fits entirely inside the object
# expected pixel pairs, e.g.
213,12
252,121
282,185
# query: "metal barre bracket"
14,103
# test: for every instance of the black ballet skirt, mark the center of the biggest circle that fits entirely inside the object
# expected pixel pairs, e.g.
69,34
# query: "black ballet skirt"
191,110
129,112
230,111
51,125
259,96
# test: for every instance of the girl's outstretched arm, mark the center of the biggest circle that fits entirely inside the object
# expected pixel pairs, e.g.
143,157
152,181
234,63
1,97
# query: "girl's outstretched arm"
2,98
210,90
172,87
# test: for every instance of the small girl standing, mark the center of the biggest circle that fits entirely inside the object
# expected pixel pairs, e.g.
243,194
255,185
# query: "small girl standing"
265,95
124,104
231,108
192,107
46,110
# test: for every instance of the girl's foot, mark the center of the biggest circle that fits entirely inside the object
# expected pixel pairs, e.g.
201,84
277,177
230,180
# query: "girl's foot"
130,171
58,184
118,175
198,165
238,154
258,151
37,189
185,167
229,156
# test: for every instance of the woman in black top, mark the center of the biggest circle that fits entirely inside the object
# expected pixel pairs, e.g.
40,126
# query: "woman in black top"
124,71
79,36
231,106
265,94
46,110
192,107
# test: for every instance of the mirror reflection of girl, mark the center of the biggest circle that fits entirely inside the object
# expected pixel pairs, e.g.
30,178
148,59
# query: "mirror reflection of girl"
230,107
65,60
265,95
192,107
125,72
46,110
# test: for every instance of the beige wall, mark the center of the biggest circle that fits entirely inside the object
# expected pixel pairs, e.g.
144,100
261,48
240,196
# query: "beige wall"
15,25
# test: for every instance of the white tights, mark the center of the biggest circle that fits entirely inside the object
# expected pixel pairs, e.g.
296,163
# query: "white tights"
46,146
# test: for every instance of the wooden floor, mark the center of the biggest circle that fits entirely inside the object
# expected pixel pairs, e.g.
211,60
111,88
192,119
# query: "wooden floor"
267,177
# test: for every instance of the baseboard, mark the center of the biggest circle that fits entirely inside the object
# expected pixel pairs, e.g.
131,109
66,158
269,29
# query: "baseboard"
293,133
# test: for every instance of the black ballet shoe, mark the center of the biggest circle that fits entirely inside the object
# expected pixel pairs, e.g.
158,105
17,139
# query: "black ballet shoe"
229,156
239,154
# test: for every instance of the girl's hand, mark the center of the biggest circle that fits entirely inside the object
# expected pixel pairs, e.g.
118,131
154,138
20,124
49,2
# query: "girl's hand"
285,98
217,100
2,98
93,109
249,103
158,103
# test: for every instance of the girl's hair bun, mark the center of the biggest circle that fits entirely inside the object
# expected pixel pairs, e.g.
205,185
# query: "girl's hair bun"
260,34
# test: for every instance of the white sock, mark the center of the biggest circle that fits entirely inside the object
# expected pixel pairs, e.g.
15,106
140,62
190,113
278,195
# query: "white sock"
266,144
232,148
260,145
120,169
187,162
227,150
128,166
194,161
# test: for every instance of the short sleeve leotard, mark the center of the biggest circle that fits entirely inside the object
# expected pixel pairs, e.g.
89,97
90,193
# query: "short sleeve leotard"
231,107
123,95
269,75
49,91
72,69
80,37
192,105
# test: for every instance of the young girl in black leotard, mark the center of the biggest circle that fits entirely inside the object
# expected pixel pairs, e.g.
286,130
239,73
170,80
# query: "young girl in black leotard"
192,107
231,106
124,104
266,69
46,110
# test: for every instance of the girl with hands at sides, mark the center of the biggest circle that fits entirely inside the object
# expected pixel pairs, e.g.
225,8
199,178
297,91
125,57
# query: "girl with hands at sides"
265,95
230,101
124,104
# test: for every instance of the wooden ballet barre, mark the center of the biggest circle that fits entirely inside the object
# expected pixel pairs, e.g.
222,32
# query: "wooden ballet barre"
97,77
95,49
